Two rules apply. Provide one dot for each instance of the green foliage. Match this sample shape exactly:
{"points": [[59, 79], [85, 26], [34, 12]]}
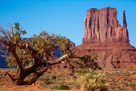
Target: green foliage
{"points": [[64, 43], [85, 77], [14, 35], [90, 80], [54, 77], [17, 32], [121, 72], [35, 53], [17, 25], [43, 43], [11, 61], [29, 76], [63, 87], [88, 61], [46, 44], [1, 84], [47, 81], [24, 56]]}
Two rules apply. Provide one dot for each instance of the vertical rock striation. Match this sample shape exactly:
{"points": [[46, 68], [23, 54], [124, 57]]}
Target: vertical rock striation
{"points": [[101, 26], [104, 36]]}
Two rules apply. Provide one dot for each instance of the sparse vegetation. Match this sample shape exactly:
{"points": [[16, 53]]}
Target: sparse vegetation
{"points": [[85, 77], [54, 77], [89, 80], [2, 84], [27, 58], [63, 87], [120, 72], [115, 83], [35, 55], [47, 81]]}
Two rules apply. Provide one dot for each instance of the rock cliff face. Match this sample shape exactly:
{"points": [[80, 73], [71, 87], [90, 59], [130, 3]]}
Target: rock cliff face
{"points": [[104, 36], [102, 26]]}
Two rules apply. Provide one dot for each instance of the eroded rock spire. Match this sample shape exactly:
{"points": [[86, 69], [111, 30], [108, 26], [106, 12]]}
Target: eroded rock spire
{"points": [[124, 19]]}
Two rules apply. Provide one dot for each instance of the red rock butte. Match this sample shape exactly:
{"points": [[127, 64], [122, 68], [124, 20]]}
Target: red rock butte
{"points": [[104, 36]]}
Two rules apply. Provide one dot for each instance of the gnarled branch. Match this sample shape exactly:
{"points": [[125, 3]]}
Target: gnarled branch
{"points": [[58, 60]]}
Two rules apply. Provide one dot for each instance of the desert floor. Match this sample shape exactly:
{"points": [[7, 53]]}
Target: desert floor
{"points": [[118, 80]]}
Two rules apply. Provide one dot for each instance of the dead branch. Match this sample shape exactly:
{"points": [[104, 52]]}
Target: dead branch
{"points": [[11, 77]]}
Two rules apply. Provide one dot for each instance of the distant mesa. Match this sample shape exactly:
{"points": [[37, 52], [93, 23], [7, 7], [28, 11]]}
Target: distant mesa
{"points": [[104, 36]]}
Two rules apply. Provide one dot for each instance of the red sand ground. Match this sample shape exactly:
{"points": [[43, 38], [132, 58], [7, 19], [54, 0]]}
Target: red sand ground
{"points": [[8, 86], [28, 88]]}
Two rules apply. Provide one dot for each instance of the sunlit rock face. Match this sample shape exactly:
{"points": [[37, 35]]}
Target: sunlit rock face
{"points": [[102, 26], [104, 36]]}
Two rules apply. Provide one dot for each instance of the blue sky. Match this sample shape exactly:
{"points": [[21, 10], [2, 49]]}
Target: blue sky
{"points": [[64, 17]]}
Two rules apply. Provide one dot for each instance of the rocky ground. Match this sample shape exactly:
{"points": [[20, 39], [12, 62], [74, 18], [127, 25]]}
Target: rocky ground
{"points": [[40, 85], [118, 79], [28, 88]]}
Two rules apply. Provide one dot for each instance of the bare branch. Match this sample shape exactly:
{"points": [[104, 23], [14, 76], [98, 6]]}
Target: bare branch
{"points": [[5, 34], [11, 77], [58, 60], [4, 42]]}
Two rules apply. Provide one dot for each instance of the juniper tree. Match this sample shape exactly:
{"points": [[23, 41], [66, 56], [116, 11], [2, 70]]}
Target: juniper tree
{"points": [[34, 55]]}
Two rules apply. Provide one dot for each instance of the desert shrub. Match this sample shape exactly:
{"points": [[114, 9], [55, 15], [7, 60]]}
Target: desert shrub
{"points": [[47, 81], [63, 87], [49, 72], [29, 76], [54, 77], [1, 84], [90, 80], [88, 61], [120, 72]]}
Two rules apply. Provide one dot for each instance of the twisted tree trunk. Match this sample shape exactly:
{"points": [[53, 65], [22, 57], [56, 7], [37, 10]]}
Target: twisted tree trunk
{"points": [[22, 74]]}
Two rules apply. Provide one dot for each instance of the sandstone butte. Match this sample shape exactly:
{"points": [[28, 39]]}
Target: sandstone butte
{"points": [[104, 36]]}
